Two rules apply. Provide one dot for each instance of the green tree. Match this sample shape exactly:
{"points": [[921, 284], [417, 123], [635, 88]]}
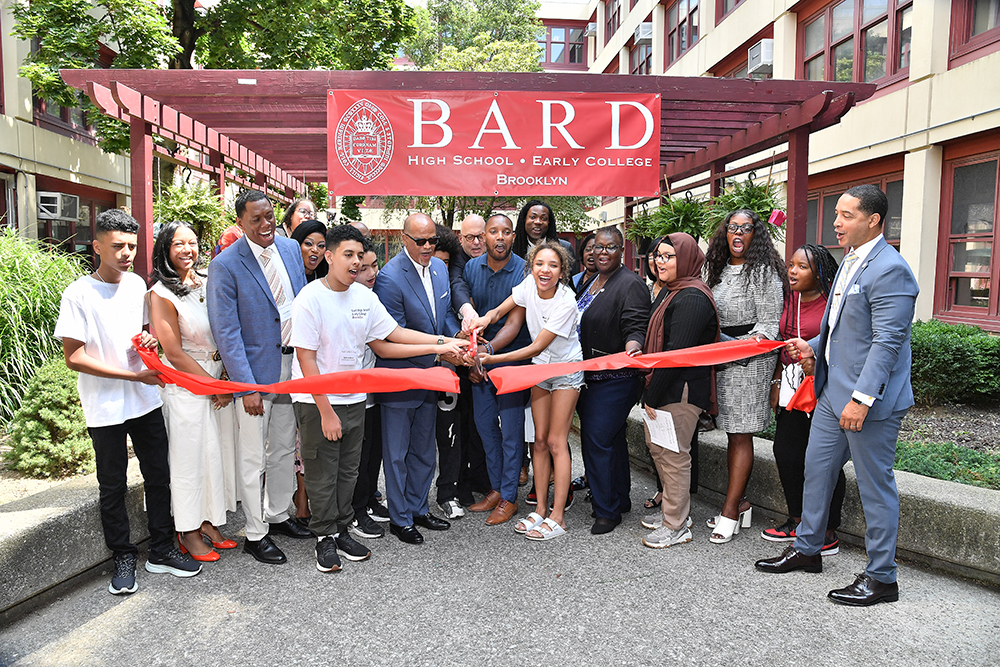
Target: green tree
{"points": [[250, 34], [458, 24]]}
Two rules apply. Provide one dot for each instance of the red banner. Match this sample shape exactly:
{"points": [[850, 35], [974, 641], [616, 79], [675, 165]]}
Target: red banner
{"points": [[372, 380], [481, 143], [515, 378]]}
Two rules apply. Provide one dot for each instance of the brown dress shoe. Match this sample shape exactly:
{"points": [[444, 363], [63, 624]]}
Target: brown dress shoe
{"points": [[504, 512], [487, 503], [523, 477]]}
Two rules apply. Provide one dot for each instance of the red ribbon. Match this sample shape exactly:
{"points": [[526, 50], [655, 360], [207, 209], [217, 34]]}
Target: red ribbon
{"points": [[372, 380], [515, 378], [804, 398]]}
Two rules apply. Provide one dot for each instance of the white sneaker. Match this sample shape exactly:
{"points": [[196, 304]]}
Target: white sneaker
{"points": [[452, 509], [665, 537], [654, 521]]}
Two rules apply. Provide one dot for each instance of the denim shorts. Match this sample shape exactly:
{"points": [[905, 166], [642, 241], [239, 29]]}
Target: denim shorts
{"points": [[571, 381]]}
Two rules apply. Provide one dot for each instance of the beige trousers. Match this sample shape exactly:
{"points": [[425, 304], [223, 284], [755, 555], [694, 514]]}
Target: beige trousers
{"points": [[674, 468]]}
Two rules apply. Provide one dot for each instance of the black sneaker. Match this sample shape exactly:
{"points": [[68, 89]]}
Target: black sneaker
{"points": [[569, 500], [327, 559], [378, 512], [123, 580], [350, 548], [364, 526], [174, 562]]}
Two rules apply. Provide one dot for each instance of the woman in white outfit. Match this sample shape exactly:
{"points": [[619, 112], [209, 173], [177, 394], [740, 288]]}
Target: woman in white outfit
{"points": [[197, 426]]}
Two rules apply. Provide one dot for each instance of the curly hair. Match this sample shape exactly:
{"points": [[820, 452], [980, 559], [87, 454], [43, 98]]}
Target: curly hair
{"points": [[520, 246], [759, 259], [823, 265], [448, 241], [163, 269], [565, 259]]}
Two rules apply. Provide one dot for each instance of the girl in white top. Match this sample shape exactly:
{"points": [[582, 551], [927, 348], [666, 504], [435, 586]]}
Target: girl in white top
{"points": [[551, 315], [200, 429]]}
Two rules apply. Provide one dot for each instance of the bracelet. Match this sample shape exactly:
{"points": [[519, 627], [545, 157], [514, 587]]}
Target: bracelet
{"points": [[774, 382], [489, 348]]}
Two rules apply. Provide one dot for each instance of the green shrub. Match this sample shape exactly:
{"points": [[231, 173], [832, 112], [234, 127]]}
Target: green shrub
{"points": [[954, 363], [200, 205], [49, 437], [950, 462], [32, 279]]}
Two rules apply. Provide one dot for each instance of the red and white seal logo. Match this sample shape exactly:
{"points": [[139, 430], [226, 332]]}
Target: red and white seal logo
{"points": [[364, 141]]}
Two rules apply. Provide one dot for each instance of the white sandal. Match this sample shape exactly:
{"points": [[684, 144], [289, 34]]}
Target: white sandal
{"points": [[549, 530], [726, 528], [528, 523]]}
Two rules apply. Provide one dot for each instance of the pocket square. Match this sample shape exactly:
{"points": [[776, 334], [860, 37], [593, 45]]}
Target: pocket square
{"points": [[855, 289], [443, 296]]}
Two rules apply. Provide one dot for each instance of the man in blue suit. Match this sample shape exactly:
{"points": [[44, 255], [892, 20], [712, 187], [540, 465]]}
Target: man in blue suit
{"points": [[863, 385], [414, 287], [251, 286]]}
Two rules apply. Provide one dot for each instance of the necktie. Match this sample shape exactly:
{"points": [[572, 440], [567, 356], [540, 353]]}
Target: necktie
{"points": [[841, 286], [277, 291]]}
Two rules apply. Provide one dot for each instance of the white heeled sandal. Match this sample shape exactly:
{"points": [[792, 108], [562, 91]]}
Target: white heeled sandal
{"points": [[744, 519], [725, 528]]}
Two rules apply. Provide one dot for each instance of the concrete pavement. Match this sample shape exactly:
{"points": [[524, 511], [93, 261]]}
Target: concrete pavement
{"points": [[482, 595]]}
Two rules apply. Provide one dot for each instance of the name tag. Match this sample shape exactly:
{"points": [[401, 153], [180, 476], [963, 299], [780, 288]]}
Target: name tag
{"points": [[133, 360], [285, 311], [348, 361]]}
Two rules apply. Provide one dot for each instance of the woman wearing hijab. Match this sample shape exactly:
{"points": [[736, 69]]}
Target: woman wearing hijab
{"points": [[684, 315]]}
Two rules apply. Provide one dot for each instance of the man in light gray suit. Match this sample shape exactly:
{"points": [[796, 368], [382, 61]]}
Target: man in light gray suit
{"points": [[863, 386], [251, 285]]}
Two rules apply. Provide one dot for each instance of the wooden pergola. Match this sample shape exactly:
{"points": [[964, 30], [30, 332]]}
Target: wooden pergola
{"points": [[272, 125]]}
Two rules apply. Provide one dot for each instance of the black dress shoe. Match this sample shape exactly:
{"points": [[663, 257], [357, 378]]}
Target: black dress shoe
{"points": [[789, 561], [290, 528], [265, 551], [431, 522], [603, 526], [865, 591], [407, 534]]}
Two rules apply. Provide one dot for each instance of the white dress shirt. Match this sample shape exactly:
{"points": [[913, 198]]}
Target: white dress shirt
{"points": [[425, 277], [279, 265], [862, 253]]}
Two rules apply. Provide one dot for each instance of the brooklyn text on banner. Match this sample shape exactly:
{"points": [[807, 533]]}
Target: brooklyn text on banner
{"points": [[482, 143]]}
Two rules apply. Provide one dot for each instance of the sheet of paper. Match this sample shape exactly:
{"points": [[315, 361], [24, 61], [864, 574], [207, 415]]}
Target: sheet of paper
{"points": [[661, 430]]}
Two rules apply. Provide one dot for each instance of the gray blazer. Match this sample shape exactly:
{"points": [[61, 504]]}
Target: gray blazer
{"points": [[870, 340], [242, 312]]}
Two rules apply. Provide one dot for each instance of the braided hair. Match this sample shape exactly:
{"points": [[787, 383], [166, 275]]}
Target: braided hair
{"points": [[823, 265], [760, 257]]}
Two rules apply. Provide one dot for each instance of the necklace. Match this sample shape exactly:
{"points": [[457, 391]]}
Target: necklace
{"points": [[599, 285]]}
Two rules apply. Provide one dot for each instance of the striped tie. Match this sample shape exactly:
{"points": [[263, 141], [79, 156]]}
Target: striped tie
{"points": [[838, 290], [277, 291]]}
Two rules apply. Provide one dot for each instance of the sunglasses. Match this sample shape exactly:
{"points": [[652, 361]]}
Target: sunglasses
{"points": [[433, 240], [745, 228]]}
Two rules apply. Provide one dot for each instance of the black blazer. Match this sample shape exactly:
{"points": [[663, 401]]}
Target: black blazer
{"points": [[460, 293], [619, 313], [688, 321]]}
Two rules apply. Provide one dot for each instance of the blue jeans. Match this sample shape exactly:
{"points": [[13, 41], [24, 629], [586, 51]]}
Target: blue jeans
{"points": [[503, 445], [603, 407]]}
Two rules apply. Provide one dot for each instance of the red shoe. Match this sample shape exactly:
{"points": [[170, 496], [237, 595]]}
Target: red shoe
{"points": [[210, 557], [783, 533], [224, 544]]}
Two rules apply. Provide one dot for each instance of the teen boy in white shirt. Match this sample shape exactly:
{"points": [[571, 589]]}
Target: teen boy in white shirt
{"points": [[332, 320], [98, 316]]}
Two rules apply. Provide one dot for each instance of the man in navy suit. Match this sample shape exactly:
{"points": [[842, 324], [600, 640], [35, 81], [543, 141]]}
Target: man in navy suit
{"points": [[414, 287], [251, 286], [863, 386]]}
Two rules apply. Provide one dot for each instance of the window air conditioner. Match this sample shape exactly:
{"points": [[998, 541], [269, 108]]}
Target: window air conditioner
{"points": [[643, 33], [591, 29], [58, 206], [760, 57]]}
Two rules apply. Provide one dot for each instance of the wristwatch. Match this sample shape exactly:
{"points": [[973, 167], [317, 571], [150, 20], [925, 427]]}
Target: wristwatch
{"points": [[440, 340], [856, 400]]}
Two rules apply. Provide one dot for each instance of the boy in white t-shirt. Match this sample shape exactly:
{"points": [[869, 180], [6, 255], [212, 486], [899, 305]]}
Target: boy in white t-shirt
{"points": [[98, 316], [332, 320]]}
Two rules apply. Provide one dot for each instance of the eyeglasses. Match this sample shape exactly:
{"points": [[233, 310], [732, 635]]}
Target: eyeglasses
{"points": [[663, 256], [305, 210], [745, 228], [472, 238], [610, 249], [433, 240]]}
